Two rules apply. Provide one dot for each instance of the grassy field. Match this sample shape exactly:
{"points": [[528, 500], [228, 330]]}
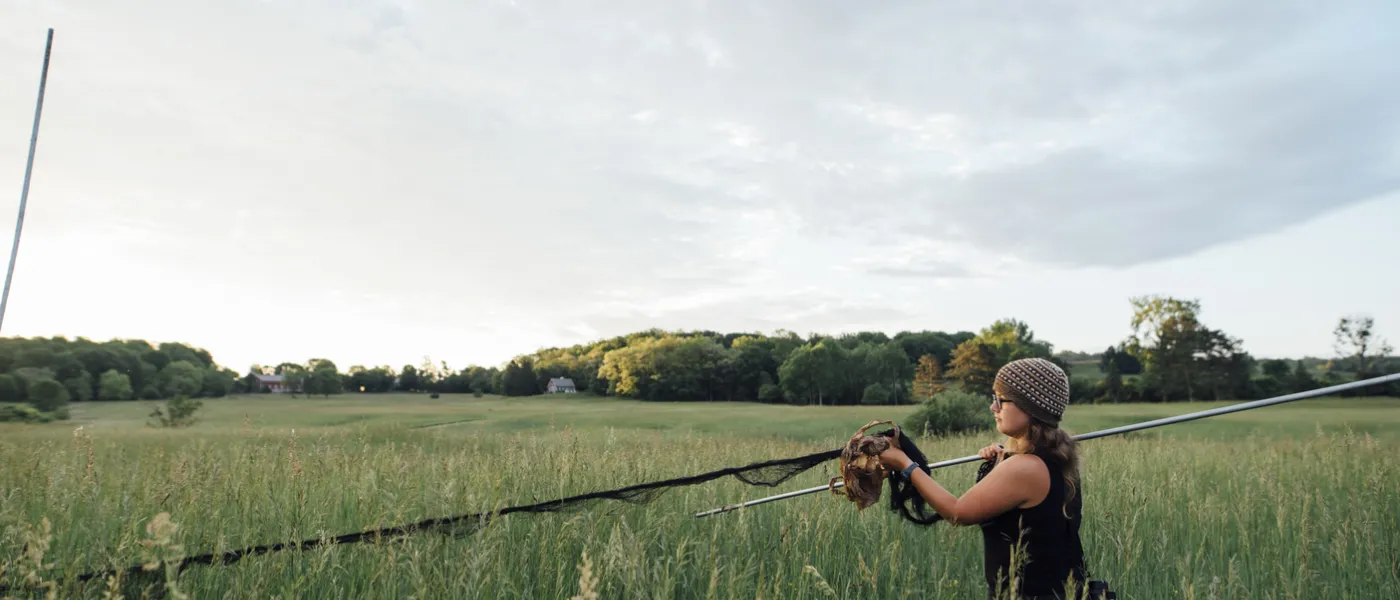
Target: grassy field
{"points": [[1085, 370], [1295, 501]]}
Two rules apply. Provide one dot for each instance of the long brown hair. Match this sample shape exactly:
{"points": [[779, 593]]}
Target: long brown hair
{"points": [[1056, 443]]}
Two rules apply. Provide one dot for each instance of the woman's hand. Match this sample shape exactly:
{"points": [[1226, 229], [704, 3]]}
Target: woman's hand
{"points": [[992, 452], [894, 458]]}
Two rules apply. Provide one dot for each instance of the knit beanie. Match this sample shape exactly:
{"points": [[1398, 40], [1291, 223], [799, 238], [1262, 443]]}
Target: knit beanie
{"points": [[1037, 386]]}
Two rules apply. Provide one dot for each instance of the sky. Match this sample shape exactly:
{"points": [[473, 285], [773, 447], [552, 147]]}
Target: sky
{"points": [[374, 182]]}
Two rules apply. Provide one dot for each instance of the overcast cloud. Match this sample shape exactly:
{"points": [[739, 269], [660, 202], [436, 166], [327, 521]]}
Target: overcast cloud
{"points": [[473, 180]]}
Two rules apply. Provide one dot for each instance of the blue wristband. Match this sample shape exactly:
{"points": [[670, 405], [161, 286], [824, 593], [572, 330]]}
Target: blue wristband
{"points": [[909, 470]]}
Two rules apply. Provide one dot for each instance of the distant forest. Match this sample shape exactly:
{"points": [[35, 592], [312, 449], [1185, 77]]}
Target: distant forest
{"points": [[1167, 355]]}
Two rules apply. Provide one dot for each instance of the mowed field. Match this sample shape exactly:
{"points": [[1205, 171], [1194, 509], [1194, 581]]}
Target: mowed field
{"points": [[1293, 501]]}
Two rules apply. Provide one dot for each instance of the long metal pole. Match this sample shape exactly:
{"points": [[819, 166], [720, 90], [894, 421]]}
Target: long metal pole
{"points": [[1103, 433], [28, 171]]}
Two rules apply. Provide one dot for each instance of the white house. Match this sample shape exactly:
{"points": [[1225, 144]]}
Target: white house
{"points": [[272, 382], [560, 385]]}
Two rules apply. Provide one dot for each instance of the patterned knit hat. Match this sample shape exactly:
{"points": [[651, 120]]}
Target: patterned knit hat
{"points": [[1037, 386]]}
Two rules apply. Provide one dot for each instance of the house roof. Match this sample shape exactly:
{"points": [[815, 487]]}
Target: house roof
{"points": [[561, 381], [269, 378]]}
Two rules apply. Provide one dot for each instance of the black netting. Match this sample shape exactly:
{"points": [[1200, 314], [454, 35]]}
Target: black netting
{"points": [[767, 474]]}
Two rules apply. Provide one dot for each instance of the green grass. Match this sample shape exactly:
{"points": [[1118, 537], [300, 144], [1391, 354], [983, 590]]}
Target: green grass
{"points": [[1378, 417], [1294, 501]]}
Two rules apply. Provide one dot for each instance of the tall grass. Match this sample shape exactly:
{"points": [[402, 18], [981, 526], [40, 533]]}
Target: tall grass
{"points": [[1256, 516]]}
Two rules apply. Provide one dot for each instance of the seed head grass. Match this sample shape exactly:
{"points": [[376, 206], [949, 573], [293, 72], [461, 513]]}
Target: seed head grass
{"points": [[1273, 510]]}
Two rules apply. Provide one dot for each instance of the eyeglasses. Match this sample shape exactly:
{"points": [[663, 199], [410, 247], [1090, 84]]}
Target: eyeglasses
{"points": [[996, 403]]}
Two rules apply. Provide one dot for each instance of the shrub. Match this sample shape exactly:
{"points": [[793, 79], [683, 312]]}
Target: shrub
{"points": [[1081, 390], [477, 394], [114, 385], [20, 413], [951, 411], [876, 393], [47, 395], [434, 395], [179, 412], [770, 392]]}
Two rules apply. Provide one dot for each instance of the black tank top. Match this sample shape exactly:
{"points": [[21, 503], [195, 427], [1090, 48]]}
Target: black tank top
{"points": [[1051, 546]]}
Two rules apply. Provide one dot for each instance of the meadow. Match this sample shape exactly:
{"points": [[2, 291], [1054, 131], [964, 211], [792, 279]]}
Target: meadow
{"points": [[1293, 501]]}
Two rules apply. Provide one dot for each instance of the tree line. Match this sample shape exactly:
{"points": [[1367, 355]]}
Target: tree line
{"points": [[1172, 355], [321, 377], [1169, 354], [661, 365], [58, 370]]}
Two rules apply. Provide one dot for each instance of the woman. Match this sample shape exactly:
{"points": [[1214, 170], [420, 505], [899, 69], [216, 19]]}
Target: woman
{"points": [[1030, 497]]}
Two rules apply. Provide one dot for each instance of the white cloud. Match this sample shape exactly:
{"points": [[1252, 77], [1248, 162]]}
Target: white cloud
{"points": [[482, 179]]}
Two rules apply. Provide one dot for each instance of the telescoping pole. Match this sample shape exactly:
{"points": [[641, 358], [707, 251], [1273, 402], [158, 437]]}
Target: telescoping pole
{"points": [[1103, 433], [28, 170]]}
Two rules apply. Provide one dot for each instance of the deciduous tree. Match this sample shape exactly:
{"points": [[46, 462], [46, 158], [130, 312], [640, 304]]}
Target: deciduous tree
{"points": [[975, 366], [1357, 345], [114, 385], [47, 395], [926, 376]]}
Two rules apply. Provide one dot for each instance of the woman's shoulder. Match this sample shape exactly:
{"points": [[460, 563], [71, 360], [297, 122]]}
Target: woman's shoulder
{"points": [[1025, 466], [1023, 458]]}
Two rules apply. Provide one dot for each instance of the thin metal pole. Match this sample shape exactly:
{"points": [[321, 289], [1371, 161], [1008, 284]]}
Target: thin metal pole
{"points": [[28, 171], [1103, 433]]}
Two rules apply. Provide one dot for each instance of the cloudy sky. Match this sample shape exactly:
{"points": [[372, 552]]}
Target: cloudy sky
{"points": [[375, 181]]}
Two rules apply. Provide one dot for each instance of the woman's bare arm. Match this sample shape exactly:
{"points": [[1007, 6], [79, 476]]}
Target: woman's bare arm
{"points": [[1009, 485]]}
